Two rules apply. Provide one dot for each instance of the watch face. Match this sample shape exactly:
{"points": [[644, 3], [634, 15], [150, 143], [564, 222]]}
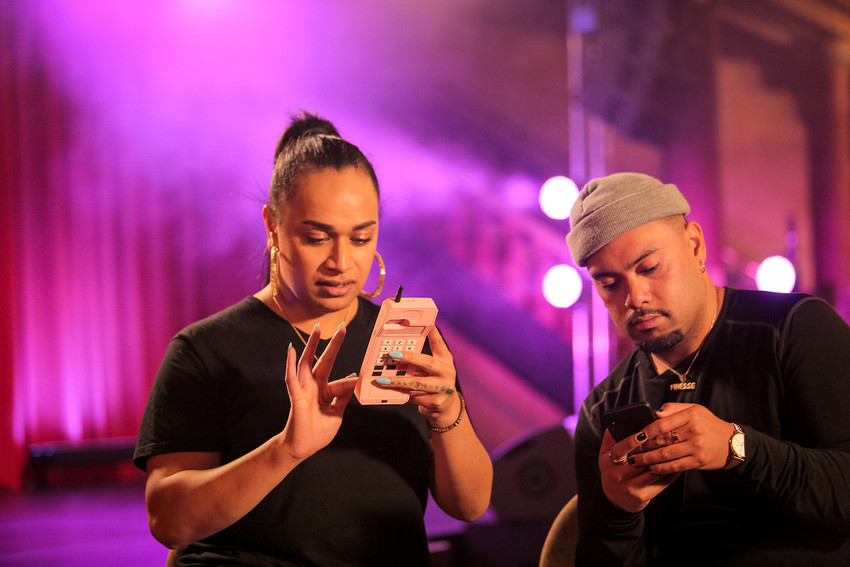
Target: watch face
{"points": [[738, 444]]}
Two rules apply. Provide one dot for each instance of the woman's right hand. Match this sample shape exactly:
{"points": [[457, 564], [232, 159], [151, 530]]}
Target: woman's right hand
{"points": [[193, 495], [316, 407]]}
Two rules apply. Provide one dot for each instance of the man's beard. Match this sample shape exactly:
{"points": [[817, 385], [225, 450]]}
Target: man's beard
{"points": [[658, 344], [662, 344]]}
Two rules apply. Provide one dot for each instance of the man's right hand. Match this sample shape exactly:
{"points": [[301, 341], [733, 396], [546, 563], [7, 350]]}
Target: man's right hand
{"points": [[628, 487]]}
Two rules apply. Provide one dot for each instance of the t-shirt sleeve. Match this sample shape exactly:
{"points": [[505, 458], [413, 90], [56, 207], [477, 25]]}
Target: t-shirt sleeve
{"points": [[183, 412]]}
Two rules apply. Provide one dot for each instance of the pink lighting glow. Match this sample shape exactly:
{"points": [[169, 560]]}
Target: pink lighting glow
{"points": [[581, 341], [146, 140], [140, 136]]}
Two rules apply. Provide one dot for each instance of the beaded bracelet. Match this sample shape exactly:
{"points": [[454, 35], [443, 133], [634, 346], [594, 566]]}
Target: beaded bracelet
{"points": [[457, 421]]}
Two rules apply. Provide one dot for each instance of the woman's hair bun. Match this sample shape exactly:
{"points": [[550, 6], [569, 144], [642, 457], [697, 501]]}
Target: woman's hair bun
{"points": [[304, 125]]}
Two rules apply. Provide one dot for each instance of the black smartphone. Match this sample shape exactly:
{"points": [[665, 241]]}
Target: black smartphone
{"points": [[628, 420]]}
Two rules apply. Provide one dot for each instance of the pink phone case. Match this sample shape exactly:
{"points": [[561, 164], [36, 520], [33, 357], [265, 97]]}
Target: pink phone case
{"points": [[402, 325]]}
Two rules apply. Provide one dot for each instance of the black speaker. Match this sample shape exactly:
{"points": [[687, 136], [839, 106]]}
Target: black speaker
{"points": [[533, 476]]}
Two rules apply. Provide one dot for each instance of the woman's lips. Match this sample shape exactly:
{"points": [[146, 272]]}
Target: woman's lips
{"points": [[336, 289]]}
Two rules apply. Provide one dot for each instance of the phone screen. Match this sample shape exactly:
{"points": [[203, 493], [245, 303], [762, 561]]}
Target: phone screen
{"points": [[628, 420]]}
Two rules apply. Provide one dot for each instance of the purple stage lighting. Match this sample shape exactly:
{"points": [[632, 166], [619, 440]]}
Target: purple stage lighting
{"points": [[776, 273], [557, 196], [562, 285]]}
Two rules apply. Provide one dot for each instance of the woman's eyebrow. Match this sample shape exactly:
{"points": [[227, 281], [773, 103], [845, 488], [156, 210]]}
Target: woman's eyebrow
{"points": [[330, 228], [364, 225]]}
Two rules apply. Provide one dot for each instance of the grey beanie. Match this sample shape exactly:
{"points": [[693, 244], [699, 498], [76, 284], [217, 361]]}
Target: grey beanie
{"points": [[610, 206]]}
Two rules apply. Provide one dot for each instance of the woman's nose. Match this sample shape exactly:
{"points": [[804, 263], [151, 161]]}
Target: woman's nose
{"points": [[340, 256]]}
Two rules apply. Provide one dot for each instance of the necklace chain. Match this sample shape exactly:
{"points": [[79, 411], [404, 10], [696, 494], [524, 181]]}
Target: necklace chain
{"points": [[683, 377], [294, 328], [684, 384]]}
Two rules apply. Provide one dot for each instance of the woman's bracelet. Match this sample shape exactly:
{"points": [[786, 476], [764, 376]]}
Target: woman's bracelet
{"points": [[457, 421]]}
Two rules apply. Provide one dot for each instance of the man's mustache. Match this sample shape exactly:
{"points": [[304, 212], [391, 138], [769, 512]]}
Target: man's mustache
{"points": [[632, 319]]}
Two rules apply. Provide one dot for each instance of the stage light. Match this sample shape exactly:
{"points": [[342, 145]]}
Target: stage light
{"points": [[776, 273], [583, 19], [562, 285], [557, 196]]}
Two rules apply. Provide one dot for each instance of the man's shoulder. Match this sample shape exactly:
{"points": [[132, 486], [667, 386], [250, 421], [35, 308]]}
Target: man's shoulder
{"points": [[766, 306]]}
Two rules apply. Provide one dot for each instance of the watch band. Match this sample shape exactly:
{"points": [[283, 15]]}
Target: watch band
{"points": [[734, 457]]}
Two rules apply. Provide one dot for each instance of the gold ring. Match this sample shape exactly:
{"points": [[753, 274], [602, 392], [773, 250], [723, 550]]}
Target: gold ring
{"points": [[675, 435], [621, 461]]}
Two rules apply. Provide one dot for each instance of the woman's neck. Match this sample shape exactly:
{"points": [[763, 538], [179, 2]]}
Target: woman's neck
{"points": [[302, 319]]}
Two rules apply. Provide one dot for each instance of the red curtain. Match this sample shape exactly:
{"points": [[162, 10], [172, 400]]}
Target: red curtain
{"points": [[108, 246], [10, 436]]}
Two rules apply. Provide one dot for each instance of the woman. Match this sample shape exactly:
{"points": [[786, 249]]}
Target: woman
{"points": [[243, 469]]}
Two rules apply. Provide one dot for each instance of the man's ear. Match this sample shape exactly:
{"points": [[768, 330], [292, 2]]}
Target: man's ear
{"points": [[695, 240]]}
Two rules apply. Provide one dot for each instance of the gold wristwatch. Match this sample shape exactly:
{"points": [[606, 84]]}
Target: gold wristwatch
{"points": [[736, 448]]}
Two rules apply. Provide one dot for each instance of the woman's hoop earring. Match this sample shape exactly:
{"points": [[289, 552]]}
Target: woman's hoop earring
{"points": [[380, 280]]}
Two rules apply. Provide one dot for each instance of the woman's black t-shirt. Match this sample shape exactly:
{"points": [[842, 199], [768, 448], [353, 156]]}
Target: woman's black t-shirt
{"points": [[358, 501]]}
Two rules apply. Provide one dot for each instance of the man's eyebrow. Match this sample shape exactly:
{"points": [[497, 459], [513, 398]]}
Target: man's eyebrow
{"points": [[642, 256], [630, 265], [329, 228]]}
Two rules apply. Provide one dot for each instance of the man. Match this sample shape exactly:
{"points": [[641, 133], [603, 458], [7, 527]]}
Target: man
{"points": [[748, 462]]}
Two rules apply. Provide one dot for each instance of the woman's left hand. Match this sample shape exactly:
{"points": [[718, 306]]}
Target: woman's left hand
{"points": [[430, 380], [462, 470]]}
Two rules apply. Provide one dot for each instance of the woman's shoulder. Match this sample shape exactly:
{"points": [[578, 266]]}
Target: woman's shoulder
{"points": [[249, 313]]}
